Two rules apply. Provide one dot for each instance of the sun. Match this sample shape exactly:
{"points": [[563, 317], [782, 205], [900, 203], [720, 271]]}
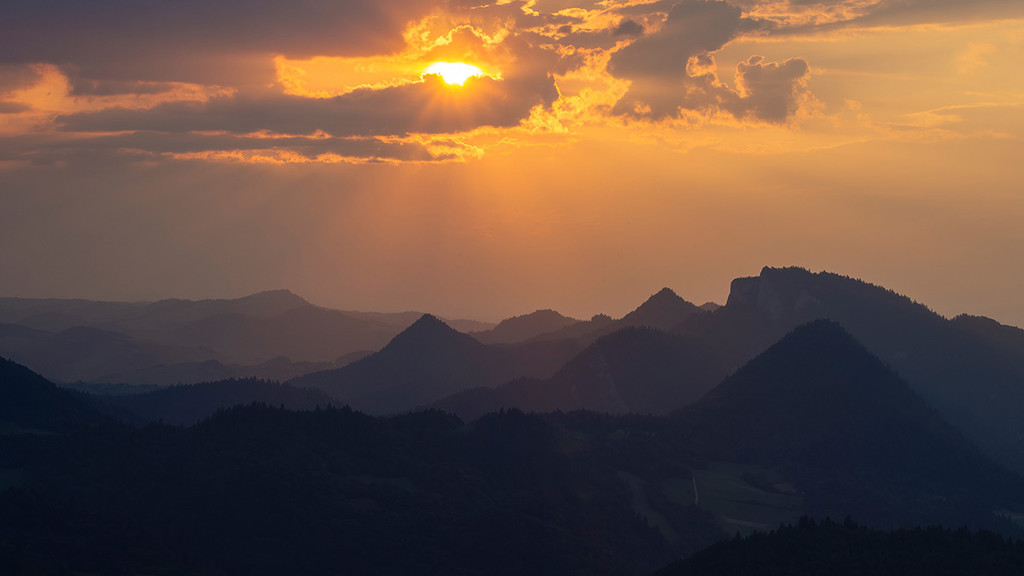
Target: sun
{"points": [[454, 73]]}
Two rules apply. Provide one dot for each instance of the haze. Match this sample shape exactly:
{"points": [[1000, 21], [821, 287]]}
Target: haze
{"points": [[211, 149]]}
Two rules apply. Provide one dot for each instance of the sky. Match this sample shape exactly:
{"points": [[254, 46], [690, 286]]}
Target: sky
{"points": [[598, 152]]}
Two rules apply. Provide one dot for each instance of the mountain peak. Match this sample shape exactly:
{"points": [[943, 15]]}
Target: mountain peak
{"points": [[277, 298], [664, 310], [427, 332], [526, 326], [816, 380], [812, 354]]}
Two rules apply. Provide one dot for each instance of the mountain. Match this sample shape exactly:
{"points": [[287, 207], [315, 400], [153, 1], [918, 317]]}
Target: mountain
{"points": [[55, 314], [303, 334], [89, 354], [849, 433], [520, 328], [664, 310], [162, 315], [971, 371], [186, 405], [814, 425], [274, 334], [427, 361], [633, 370], [30, 403], [402, 320], [830, 548]]}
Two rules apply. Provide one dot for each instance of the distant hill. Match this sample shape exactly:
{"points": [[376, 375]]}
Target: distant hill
{"points": [[274, 334], [971, 371], [520, 328], [848, 432], [303, 334], [402, 320], [829, 548], [427, 361], [89, 354], [664, 310], [187, 405], [633, 370]]}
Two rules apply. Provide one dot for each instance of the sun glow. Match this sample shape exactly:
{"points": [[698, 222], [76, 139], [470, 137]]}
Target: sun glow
{"points": [[455, 73]]}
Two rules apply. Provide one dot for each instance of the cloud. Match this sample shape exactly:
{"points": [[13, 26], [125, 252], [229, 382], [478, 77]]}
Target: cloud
{"points": [[672, 71], [253, 148], [769, 91], [204, 41], [816, 16], [427, 107]]}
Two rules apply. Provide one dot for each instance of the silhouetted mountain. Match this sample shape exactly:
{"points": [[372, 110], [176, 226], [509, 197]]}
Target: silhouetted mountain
{"points": [[585, 332], [427, 361], [814, 425], [833, 549], [402, 320], [89, 354], [189, 404], [520, 328], [638, 370], [166, 314], [55, 314], [305, 333], [1007, 339], [188, 341], [848, 432], [30, 403], [665, 310], [976, 381]]}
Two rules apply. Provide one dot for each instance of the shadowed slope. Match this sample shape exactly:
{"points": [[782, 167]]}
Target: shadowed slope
{"points": [[30, 403], [849, 431], [186, 405], [638, 370], [520, 328], [973, 375], [427, 361]]}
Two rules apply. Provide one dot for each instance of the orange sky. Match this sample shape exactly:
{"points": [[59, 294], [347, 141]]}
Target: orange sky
{"points": [[605, 149]]}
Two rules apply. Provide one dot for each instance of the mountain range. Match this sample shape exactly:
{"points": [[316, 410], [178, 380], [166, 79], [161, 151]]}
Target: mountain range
{"points": [[606, 446], [273, 334], [815, 425]]}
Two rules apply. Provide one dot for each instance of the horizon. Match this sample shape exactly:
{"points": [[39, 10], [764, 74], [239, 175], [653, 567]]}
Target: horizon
{"points": [[486, 160], [456, 316]]}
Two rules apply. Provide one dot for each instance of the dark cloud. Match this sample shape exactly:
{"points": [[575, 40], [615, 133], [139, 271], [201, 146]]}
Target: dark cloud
{"points": [[769, 91], [87, 87], [693, 27], [672, 70], [205, 41], [428, 107], [628, 28], [146, 145], [17, 77], [657, 64], [8, 107]]}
